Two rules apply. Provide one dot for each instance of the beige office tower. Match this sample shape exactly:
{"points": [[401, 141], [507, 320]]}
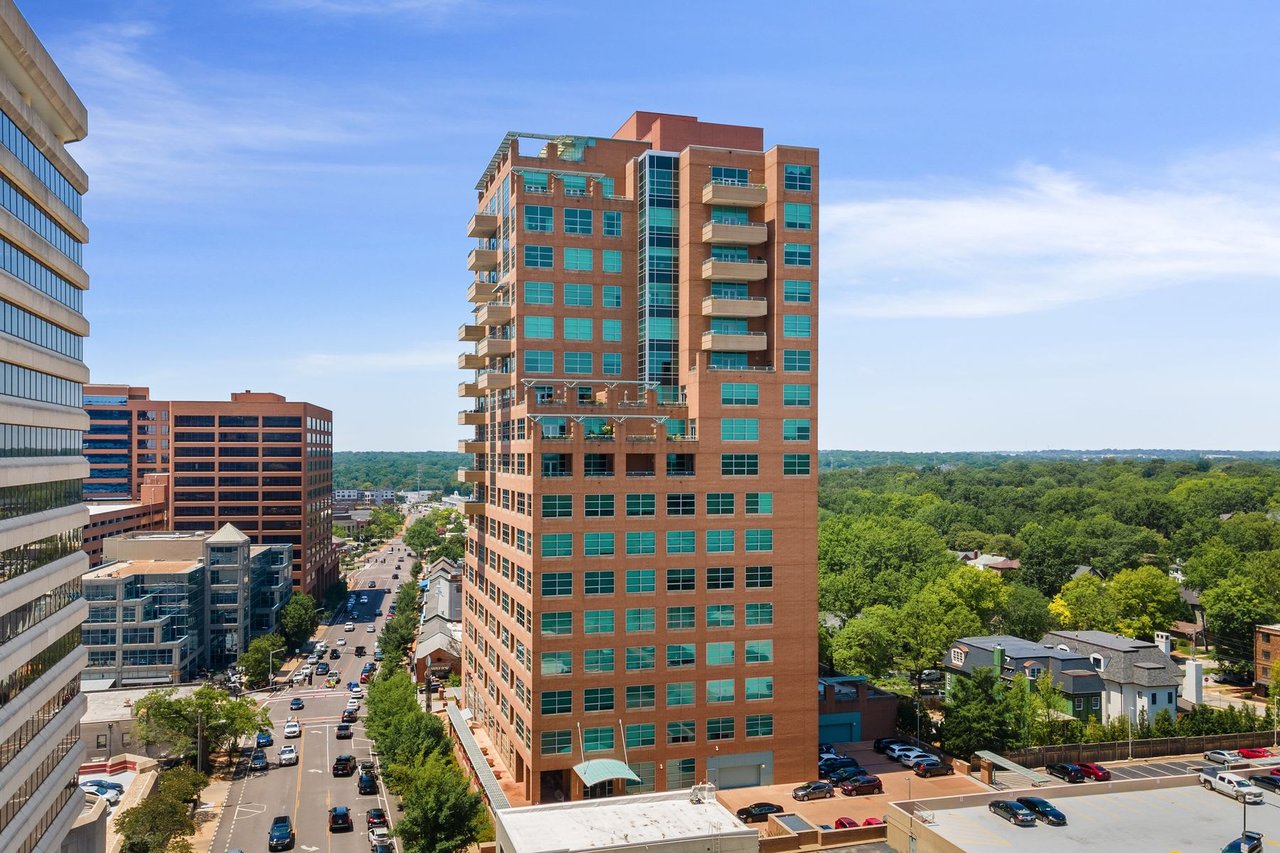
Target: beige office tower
{"points": [[640, 608]]}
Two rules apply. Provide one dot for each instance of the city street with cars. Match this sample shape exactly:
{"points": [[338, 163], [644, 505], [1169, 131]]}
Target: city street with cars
{"points": [[301, 784]]}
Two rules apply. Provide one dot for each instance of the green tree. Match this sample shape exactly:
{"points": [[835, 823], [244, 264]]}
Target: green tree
{"points": [[258, 661], [1245, 598], [183, 784], [299, 619], [1026, 613], [1209, 563], [977, 715], [1144, 600], [868, 644], [148, 826], [1052, 551], [441, 812], [876, 560], [403, 732], [983, 593], [1083, 605], [933, 628], [208, 713]]}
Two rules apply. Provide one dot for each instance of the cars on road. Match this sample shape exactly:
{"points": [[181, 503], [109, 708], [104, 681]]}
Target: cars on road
{"points": [[342, 641], [344, 765], [757, 812], [293, 729], [350, 626], [340, 819], [322, 668], [376, 817], [357, 692], [263, 740], [1043, 810], [1012, 811], [288, 755], [1065, 772], [813, 791], [862, 785], [367, 784], [343, 732], [1094, 771], [1222, 756], [369, 629], [929, 768], [348, 715], [296, 704], [258, 761], [281, 835]]}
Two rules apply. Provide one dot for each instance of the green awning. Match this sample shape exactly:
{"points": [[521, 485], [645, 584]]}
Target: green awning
{"points": [[603, 769]]}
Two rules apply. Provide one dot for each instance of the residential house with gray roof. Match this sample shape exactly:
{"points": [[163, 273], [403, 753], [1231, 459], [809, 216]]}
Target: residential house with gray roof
{"points": [[1073, 674], [1137, 675]]}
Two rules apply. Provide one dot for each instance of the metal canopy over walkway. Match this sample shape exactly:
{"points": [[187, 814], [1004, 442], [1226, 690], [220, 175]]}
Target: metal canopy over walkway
{"points": [[1034, 777]]}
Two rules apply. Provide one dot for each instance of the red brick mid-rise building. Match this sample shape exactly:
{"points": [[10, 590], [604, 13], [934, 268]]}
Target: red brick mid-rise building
{"points": [[641, 571], [256, 461]]}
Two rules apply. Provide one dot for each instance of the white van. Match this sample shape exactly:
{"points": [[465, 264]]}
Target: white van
{"points": [[350, 626]]}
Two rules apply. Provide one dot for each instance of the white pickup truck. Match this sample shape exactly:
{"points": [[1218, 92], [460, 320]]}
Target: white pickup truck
{"points": [[1231, 784]]}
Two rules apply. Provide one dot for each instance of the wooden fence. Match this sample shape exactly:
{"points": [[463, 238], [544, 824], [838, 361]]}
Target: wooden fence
{"points": [[1071, 753]]}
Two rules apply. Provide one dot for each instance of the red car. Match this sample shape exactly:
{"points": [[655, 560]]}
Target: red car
{"points": [[1255, 752], [845, 823], [1096, 772], [873, 821]]}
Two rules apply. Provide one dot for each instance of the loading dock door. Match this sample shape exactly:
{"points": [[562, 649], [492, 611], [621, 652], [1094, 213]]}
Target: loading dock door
{"points": [[741, 776], [836, 733]]}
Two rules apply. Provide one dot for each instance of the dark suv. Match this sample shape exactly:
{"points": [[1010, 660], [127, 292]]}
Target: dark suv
{"points": [[340, 819], [344, 765], [367, 784], [1065, 772], [281, 835]]}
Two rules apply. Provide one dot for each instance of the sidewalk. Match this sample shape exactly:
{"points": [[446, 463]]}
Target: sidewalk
{"points": [[213, 803]]}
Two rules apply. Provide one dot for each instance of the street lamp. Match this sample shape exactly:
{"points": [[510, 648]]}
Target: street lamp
{"points": [[1128, 719], [271, 670], [110, 738]]}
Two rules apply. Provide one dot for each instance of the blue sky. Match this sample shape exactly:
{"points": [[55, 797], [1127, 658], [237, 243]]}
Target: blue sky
{"points": [[1044, 225]]}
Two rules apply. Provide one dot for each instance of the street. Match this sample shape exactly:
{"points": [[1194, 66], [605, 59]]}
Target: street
{"points": [[306, 792]]}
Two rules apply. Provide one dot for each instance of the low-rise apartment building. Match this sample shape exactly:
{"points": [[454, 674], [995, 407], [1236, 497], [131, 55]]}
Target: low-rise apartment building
{"points": [[1266, 654]]}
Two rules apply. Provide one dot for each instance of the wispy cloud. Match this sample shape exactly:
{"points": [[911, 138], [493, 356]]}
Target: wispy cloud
{"points": [[157, 134], [408, 360], [1048, 238]]}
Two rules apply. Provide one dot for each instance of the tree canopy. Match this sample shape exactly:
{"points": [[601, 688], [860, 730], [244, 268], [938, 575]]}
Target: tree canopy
{"points": [[163, 717]]}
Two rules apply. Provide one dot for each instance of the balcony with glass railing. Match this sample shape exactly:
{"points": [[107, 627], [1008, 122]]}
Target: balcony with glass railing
{"points": [[481, 291], [734, 306], [494, 313], [734, 341], [731, 194], [735, 233], [491, 347], [482, 260], [746, 269], [471, 361]]}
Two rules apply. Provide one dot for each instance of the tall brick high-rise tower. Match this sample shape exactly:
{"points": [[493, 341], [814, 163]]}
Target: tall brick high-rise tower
{"points": [[641, 570]]}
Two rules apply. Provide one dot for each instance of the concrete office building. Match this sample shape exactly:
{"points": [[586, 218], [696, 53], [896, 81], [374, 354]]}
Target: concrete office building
{"points": [[166, 605], [256, 461], [42, 331], [641, 569]]}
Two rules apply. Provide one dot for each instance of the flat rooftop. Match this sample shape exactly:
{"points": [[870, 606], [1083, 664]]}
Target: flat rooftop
{"points": [[104, 508], [106, 706], [616, 821], [1182, 818], [167, 535], [125, 568]]}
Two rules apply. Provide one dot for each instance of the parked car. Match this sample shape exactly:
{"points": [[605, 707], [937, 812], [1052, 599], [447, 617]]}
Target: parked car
{"points": [[103, 783], [1094, 771], [344, 765], [813, 791], [1065, 772], [288, 755], [862, 785], [909, 757], [340, 819], [296, 704], [927, 769], [357, 692], [379, 836], [873, 821], [826, 768], [280, 836], [883, 743], [1248, 842], [263, 740], [377, 654], [757, 812], [1255, 752], [367, 784], [376, 817], [1222, 756], [1267, 782], [369, 629], [109, 794], [1043, 810], [843, 775], [258, 760], [894, 750], [1014, 812], [845, 823], [344, 732]]}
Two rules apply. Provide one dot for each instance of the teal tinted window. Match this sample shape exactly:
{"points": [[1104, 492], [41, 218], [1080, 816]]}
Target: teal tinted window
{"points": [[612, 223], [795, 463], [759, 614], [580, 260], [642, 505], [729, 326], [796, 177], [557, 663], [557, 545], [539, 361], [598, 506], [598, 699], [759, 688], [578, 295], [640, 619], [682, 731], [720, 577], [795, 429], [641, 542], [611, 330], [680, 541], [760, 539], [720, 728], [719, 690], [759, 725], [597, 544], [739, 394], [797, 254], [797, 292], [597, 738], [641, 658], [578, 362], [679, 618], [579, 328], [598, 583], [720, 503], [719, 541], [737, 254], [797, 326], [597, 660], [642, 580], [720, 654], [611, 363], [730, 176], [730, 215], [535, 182], [740, 429], [539, 293], [577, 220], [759, 503], [799, 216], [541, 257], [538, 217], [640, 735], [611, 260], [557, 701], [680, 580], [559, 742], [721, 360], [679, 693], [641, 696], [797, 361], [759, 577], [729, 289], [758, 651], [795, 395], [739, 464], [540, 328], [611, 296], [597, 621], [720, 616], [681, 655], [557, 583], [556, 623]]}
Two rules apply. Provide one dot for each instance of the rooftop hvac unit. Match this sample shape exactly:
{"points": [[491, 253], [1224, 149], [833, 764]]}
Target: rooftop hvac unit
{"points": [[704, 793]]}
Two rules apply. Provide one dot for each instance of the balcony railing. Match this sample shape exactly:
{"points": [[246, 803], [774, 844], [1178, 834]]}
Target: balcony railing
{"points": [[749, 269], [735, 233], [735, 342], [734, 194], [482, 260], [482, 225], [735, 306]]}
